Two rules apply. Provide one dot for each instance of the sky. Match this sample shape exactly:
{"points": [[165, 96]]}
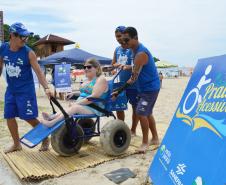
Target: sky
{"points": [[177, 31]]}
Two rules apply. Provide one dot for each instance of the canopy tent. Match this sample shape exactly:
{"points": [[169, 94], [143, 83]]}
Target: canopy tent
{"points": [[72, 56], [164, 64]]}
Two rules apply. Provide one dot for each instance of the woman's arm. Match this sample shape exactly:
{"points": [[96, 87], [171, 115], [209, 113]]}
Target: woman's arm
{"points": [[99, 88]]}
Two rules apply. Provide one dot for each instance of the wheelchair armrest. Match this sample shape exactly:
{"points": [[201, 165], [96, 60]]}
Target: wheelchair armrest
{"points": [[74, 97]]}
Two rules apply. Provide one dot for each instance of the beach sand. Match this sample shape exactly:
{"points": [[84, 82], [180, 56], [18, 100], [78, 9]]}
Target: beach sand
{"points": [[165, 107]]}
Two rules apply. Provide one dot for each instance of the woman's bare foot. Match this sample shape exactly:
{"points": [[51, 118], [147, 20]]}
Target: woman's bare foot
{"points": [[45, 145], [13, 148], [46, 123], [46, 116], [154, 142], [143, 148]]}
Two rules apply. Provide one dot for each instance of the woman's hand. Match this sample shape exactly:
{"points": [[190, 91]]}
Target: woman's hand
{"points": [[69, 95]]}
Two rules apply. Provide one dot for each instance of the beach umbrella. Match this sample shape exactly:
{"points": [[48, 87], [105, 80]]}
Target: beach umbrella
{"points": [[164, 64]]}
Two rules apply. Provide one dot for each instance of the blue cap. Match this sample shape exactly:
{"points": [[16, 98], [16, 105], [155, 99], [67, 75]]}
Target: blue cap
{"points": [[20, 29], [120, 29]]}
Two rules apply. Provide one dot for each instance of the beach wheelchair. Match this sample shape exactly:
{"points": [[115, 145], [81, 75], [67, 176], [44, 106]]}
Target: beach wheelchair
{"points": [[68, 135]]}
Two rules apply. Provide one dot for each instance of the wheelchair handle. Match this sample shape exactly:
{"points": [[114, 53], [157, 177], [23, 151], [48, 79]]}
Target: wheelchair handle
{"points": [[54, 100], [117, 74]]}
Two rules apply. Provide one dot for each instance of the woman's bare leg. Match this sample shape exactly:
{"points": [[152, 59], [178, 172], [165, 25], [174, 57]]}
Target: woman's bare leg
{"points": [[47, 116], [74, 109]]}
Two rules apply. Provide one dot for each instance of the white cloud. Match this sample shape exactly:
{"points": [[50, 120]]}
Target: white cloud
{"points": [[179, 31]]}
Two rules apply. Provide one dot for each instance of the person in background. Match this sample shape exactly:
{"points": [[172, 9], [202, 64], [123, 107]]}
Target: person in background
{"points": [[20, 97], [160, 78], [123, 58], [145, 72]]}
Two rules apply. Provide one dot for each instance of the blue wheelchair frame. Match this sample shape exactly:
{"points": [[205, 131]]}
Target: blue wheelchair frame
{"points": [[40, 132]]}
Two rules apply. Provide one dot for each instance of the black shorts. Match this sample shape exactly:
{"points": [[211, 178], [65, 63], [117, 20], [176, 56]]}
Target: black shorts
{"points": [[131, 95], [146, 102]]}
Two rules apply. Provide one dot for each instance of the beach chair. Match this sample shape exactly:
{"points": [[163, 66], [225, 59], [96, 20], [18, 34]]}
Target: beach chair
{"points": [[68, 135]]}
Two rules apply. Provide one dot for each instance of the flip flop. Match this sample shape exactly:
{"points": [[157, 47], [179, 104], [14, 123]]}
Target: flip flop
{"points": [[13, 149], [133, 134], [154, 142], [143, 148]]}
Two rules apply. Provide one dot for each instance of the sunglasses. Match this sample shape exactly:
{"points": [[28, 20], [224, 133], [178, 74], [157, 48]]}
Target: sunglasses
{"points": [[126, 40], [87, 67], [23, 38]]}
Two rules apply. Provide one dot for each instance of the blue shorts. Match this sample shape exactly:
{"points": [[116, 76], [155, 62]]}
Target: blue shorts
{"points": [[131, 95], [22, 105], [146, 102]]}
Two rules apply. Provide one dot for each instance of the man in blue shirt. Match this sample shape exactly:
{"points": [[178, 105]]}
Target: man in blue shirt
{"points": [[145, 73], [20, 98], [123, 58]]}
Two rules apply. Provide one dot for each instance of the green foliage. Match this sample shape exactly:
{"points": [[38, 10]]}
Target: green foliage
{"points": [[156, 59], [31, 40], [6, 32]]}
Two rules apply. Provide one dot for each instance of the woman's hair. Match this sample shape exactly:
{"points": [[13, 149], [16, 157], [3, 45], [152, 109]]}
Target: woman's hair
{"points": [[95, 64]]}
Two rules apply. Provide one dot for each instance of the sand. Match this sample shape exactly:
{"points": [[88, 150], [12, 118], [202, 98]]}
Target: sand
{"points": [[165, 107]]}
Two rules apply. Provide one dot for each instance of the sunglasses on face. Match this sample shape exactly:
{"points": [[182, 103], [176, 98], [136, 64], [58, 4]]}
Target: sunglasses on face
{"points": [[118, 36], [23, 38], [126, 40], [87, 67]]}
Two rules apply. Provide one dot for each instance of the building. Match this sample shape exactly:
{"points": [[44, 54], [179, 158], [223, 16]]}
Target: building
{"points": [[50, 44]]}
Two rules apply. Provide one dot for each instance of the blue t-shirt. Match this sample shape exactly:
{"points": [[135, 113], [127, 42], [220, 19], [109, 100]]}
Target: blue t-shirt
{"points": [[148, 79], [125, 57], [18, 69]]}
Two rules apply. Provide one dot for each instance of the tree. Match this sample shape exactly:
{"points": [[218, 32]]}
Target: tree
{"points": [[6, 32], [156, 59], [31, 40]]}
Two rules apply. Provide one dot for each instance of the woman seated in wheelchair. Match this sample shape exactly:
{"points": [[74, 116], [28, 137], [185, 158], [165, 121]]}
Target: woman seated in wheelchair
{"points": [[96, 86]]}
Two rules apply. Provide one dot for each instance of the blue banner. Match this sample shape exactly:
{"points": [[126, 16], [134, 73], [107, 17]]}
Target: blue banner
{"points": [[193, 151], [62, 80]]}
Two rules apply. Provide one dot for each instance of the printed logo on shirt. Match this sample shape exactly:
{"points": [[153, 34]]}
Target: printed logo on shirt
{"points": [[13, 71], [20, 61], [6, 58], [122, 59]]}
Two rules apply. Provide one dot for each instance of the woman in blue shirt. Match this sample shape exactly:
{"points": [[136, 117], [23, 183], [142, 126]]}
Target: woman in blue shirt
{"points": [[95, 86]]}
